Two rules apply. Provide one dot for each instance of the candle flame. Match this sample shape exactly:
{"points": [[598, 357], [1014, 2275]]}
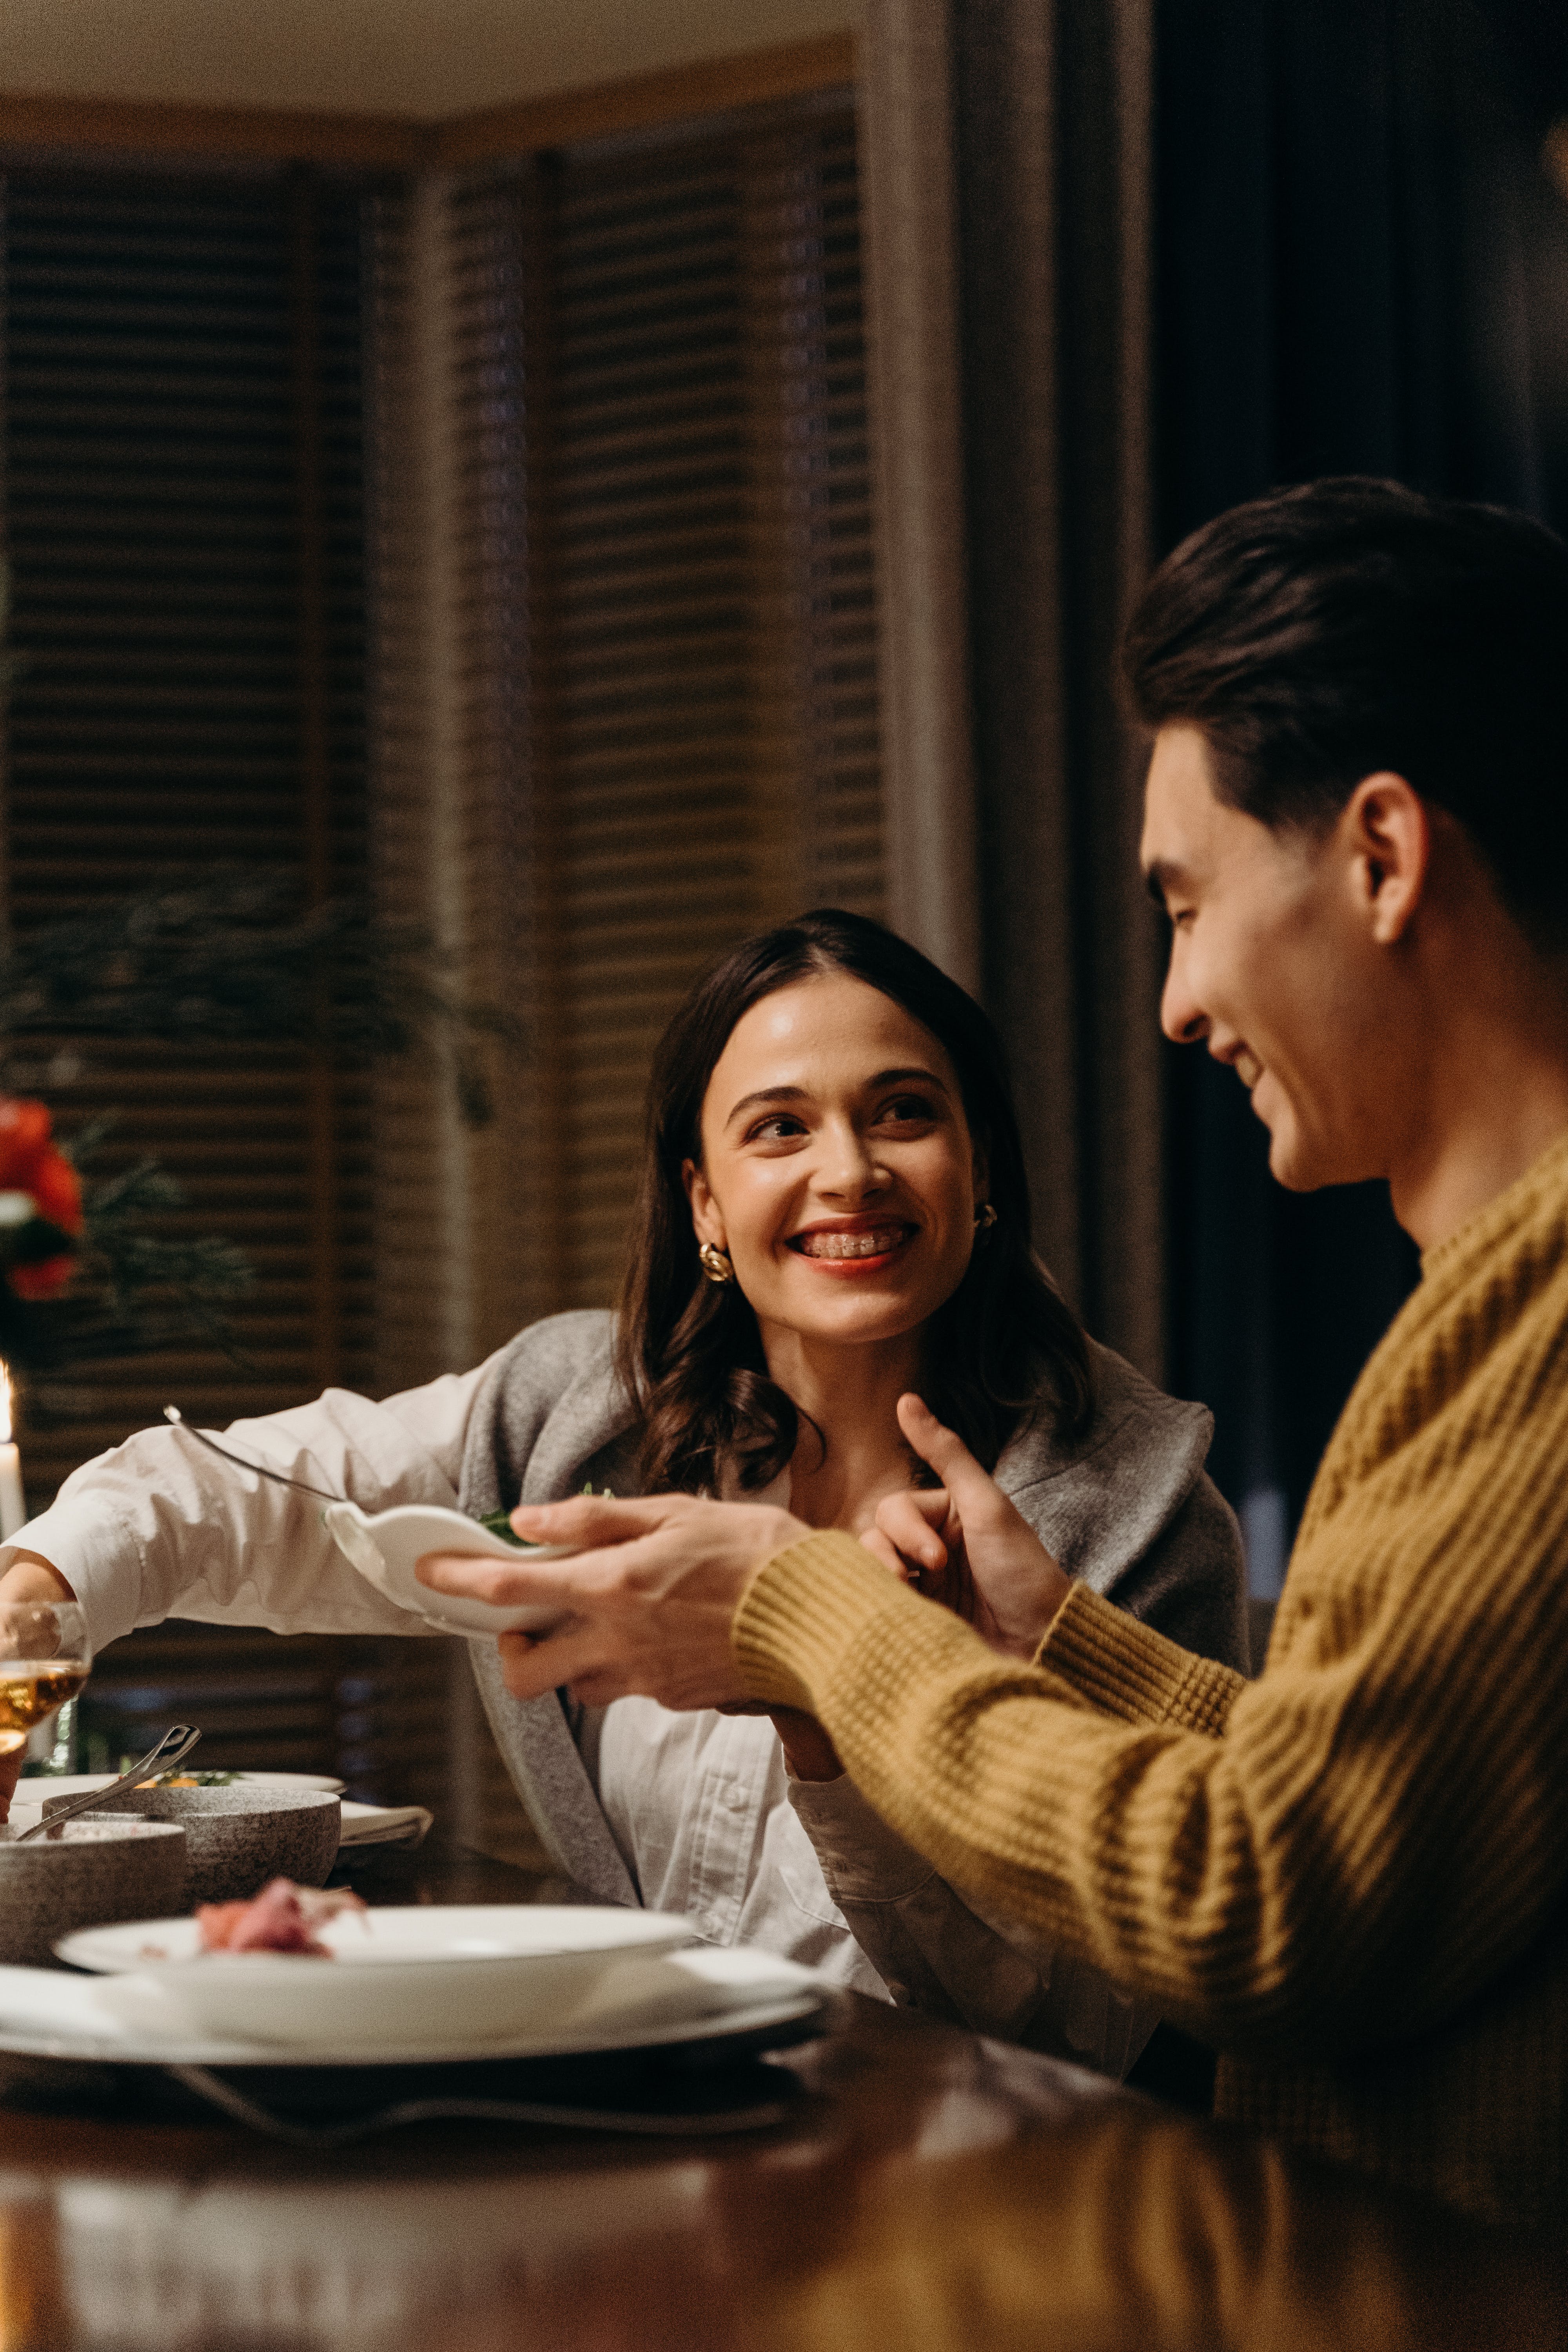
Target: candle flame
{"points": [[5, 1404]]}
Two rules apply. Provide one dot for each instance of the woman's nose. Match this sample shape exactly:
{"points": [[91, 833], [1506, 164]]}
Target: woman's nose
{"points": [[849, 1163]]}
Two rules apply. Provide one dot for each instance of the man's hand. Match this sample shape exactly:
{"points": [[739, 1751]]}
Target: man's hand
{"points": [[29, 1578], [648, 1599], [966, 1546]]}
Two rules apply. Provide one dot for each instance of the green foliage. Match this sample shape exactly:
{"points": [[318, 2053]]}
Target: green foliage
{"points": [[231, 959]]}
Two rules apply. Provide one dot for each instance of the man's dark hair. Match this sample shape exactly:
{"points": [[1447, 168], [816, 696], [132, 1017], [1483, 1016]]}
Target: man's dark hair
{"points": [[1319, 635]]}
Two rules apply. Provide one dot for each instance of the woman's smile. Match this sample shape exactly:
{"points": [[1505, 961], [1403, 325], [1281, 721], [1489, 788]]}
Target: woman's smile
{"points": [[853, 1246]]}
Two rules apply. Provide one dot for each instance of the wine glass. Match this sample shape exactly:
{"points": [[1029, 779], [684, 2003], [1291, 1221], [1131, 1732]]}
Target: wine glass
{"points": [[46, 1657]]}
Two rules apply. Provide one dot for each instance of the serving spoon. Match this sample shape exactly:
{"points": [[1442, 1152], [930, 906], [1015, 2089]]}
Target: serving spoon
{"points": [[177, 1420], [176, 1743]]}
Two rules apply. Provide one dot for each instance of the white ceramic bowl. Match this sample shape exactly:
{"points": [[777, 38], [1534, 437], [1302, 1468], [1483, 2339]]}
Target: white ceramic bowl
{"points": [[385, 1549], [424, 1979]]}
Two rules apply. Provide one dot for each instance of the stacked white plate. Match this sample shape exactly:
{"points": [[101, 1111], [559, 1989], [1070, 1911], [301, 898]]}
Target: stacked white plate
{"points": [[404, 1986]]}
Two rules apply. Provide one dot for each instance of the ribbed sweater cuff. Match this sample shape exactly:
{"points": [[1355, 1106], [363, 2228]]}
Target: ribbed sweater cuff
{"points": [[803, 1610], [1127, 1669]]}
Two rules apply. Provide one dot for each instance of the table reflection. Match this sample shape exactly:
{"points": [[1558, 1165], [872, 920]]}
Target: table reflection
{"points": [[927, 2191]]}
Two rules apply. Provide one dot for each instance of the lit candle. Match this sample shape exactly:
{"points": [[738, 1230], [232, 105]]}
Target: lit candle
{"points": [[12, 1505]]}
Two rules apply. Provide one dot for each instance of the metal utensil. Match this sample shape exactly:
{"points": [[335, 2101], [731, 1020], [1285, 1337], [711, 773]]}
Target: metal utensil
{"points": [[177, 1420], [176, 1743]]}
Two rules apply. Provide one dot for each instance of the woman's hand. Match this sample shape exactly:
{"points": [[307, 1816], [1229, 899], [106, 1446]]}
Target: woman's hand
{"points": [[966, 1546], [29, 1577]]}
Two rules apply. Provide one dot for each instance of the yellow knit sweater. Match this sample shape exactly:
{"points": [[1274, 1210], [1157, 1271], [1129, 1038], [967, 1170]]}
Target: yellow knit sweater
{"points": [[1351, 1877]]}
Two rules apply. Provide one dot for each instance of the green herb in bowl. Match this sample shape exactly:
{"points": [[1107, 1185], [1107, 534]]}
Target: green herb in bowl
{"points": [[500, 1522]]}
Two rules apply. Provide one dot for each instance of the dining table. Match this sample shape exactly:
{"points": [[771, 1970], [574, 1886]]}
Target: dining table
{"points": [[886, 2179]]}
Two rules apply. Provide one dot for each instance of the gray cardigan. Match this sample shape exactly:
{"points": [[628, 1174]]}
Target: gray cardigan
{"points": [[1129, 1510]]}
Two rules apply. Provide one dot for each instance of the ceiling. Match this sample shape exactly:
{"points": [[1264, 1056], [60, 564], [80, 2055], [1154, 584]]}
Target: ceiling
{"points": [[426, 59]]}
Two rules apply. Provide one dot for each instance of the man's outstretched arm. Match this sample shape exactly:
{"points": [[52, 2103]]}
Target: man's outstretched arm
{"points": [[1312, 1862]]}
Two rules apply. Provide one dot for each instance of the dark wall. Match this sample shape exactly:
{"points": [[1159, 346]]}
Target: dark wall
{"points": [[1363, 268]]}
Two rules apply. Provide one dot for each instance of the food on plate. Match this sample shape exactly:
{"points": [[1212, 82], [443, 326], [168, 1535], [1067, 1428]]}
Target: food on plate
{"points": [[190, 1780], [282, 1919]]}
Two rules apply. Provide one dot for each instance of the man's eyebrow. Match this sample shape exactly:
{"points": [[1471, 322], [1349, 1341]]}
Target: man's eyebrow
{"points": [[799, 1094], [1162, 876]]}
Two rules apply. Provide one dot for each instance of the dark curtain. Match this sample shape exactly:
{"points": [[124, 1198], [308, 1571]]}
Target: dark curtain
{"points": [[1052, 172], [1008, 170], [1361, 266]]}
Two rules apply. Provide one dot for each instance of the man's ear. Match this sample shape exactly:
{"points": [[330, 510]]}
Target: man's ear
{"points": [[707, 1224], [1386, 829]]}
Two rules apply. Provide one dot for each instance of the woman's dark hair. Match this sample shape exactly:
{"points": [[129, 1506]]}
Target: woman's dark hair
{"points": [[1319, 635], [690, 1352]]}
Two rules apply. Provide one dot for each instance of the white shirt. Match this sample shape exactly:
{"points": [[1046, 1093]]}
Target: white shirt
{"points": [[706, 1817], [159, 1527]]}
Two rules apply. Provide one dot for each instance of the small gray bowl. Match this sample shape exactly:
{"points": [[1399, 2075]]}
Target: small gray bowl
{"points": [[87, 1873], [239, 1837]]}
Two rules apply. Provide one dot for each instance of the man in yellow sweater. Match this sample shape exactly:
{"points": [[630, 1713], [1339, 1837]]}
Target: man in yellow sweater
{"points": [[1350, 1878]]}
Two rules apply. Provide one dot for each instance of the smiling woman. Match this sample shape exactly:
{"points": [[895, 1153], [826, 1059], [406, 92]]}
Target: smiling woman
{"points": [[832, 1113], [833, 1226]]}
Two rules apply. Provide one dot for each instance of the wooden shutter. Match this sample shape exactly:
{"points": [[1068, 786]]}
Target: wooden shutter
{"points": [[182, 434], [622, 672], [663, 577], [597, 613], [183, 522]]}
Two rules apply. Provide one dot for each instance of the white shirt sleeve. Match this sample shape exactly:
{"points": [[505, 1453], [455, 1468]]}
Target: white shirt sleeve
{"points": [[160, 1528]]}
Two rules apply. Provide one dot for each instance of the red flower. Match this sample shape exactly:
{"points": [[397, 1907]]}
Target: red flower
{"points": [[31, 1163], [45, 1278], [56, 1188], [24, 1135]]}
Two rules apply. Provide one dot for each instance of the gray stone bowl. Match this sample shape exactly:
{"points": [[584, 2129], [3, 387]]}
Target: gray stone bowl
{"points": [[90, 1872], [239, 1837]]}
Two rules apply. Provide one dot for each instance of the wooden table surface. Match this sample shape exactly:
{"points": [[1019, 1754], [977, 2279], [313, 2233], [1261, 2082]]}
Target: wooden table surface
{"points": [[924, 2190]]}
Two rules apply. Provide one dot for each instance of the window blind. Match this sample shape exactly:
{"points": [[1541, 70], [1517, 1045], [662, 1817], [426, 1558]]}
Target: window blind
{"points": [[182, 435], [702, 596], [657, 428], [589, 690], [622, 702]]}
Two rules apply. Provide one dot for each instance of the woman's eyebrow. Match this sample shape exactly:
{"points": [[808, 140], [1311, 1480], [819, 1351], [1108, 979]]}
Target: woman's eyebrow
{"points": [[765, 1095], [901, 1077], [800, 1094]]}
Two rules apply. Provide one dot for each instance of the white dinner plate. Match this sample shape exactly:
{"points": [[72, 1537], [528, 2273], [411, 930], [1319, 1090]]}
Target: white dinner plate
{"points": [[33, 1791], [398, 1977], [384, 1548], [664, 1998]]}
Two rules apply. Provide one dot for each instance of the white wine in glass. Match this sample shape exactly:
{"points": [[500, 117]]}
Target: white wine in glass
{"points": [[45, 1659]]}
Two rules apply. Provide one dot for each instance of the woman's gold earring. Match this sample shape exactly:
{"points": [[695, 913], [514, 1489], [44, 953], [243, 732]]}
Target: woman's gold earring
{"points": [[984, 1217], [716, 1263]]}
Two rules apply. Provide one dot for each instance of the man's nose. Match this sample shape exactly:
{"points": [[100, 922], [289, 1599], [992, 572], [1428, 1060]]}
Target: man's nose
{"points": [[1181, 1017]]}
